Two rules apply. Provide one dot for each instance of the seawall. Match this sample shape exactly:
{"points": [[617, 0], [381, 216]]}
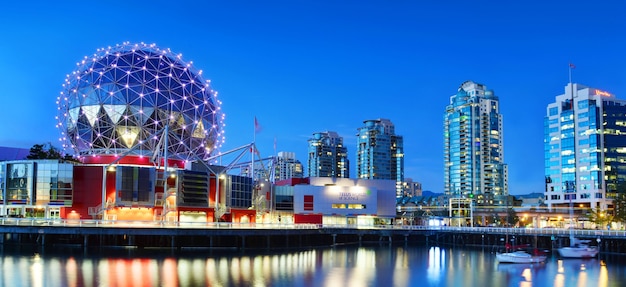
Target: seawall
{"points": [[89, 233]]}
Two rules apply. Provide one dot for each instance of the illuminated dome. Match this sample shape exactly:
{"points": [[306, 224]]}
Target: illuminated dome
{"points": [[120, 101]]}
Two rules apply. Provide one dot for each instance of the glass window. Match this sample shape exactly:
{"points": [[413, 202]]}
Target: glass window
{"points": [[554, 111]]}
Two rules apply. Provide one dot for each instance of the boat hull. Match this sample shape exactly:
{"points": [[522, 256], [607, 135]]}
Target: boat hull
{"points": [[578, 252], [519, 257]]}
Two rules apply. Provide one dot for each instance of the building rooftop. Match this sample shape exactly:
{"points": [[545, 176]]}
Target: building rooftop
{"points": [[13, 153]]}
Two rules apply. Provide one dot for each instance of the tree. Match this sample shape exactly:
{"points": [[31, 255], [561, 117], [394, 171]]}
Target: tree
{"points": [[619, 205], [44, 151], [600, 217], [511, 219]]}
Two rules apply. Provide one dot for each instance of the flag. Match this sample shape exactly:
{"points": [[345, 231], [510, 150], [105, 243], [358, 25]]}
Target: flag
{"points": [[257, 126], [572, 66]]}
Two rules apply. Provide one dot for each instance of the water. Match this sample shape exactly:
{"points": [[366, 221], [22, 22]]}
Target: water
{"points": [[376, 265]]}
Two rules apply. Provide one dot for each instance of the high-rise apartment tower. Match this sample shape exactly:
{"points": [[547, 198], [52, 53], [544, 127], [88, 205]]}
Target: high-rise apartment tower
{"points": [[473, 147], [328, 157], [287, 166], [380, 153]]}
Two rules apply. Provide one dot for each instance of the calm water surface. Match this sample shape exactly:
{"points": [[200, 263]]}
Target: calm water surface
{"points": [[377, 265]]}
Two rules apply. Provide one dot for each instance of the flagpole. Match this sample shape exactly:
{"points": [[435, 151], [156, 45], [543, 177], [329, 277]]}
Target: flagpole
{"points": [[253, 149], [570, 74]]}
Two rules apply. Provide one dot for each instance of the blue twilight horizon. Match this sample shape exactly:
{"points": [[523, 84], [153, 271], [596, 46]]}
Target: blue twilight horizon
{"points": [[302, 67]]}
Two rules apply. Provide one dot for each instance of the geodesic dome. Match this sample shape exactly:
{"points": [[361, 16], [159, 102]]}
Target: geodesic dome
{"points": [[134, 99]]}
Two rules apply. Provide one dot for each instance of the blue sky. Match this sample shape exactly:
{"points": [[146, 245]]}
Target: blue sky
{"points": [[308, 66]]}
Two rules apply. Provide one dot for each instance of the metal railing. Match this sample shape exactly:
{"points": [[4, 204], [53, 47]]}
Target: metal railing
{"points": [[10, 221]]}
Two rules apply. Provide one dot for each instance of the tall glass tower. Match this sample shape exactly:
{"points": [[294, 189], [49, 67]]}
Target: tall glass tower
{"points": [[328, 157], [584, 148], [380, 153], [473, 148]]}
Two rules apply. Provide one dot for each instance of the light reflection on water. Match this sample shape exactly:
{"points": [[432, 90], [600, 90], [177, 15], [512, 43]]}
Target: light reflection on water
{"points": [[340, 266]]}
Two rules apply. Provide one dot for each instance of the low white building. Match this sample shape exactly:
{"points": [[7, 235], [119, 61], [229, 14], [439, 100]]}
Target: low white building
{"points": [[347, 201]]}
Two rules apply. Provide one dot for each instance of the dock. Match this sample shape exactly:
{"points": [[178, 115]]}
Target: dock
{"points": [[226, 235]]}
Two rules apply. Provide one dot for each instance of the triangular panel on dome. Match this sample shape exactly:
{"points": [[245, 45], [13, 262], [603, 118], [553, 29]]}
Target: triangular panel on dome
{"points": [[110, 94], [135, 78], [128, 134], [124, 61], [91, 112], [114, 112], [149, 97], [105, 130], [142, 114], [90, 97], [81, 144], [152, 63], [72, 117], [118, 74], [130, 96], [122, 80], [189, 120], [128, 118], [149, 143], [162, 115], [75, 101], [107, 77], [85, 135], [198, 131], [176, 90], [177, 119]]}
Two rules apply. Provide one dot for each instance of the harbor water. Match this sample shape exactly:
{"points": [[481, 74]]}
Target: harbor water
{"points": [[350, 265]]}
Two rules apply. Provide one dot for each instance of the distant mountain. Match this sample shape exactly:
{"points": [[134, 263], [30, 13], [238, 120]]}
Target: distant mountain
{"points": [[430, 193], [530, 195]]}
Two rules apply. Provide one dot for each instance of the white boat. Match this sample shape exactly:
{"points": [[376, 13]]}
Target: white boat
{"points": [[578, 249], [520, 257]]}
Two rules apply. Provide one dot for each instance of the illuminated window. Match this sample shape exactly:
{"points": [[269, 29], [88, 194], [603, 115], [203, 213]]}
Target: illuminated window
{"points": [[348, 206]]}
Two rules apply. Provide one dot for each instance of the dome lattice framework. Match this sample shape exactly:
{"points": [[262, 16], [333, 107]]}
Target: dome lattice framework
{"points": [[120, 100]]}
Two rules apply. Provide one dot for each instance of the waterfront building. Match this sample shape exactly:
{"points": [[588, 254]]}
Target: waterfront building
{"points": [[473, 146], [286, 166], [380, 153], [35, 188], [584, 143], [325, 200], [328, 157]]}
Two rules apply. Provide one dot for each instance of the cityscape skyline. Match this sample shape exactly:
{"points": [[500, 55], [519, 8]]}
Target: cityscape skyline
{"points": [[303, 68]]}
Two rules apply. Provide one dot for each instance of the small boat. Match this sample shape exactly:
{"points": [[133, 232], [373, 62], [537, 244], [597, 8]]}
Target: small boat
{"points": [[520, 257], [578, 249]]}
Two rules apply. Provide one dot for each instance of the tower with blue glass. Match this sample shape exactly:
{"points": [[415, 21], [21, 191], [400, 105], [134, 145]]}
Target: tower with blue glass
{"points": [[584, 148], [473, 147], [380, 152]]}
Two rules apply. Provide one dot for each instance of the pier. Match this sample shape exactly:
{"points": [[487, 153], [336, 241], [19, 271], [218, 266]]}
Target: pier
{"points": [[218, 235]]}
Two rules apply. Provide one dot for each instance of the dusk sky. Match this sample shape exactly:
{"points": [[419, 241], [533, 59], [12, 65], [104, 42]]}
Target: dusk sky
{"points": [[303, 67]]}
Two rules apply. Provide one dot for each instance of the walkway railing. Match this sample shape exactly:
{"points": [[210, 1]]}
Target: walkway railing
{"points": [[9, 221]]}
